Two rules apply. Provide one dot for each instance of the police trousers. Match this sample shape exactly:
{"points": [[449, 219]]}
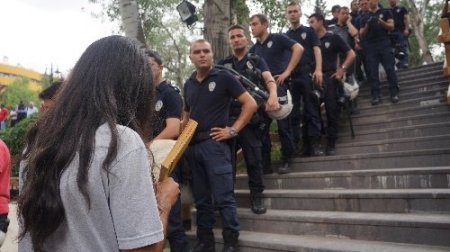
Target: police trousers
{"points": [[212, 184]]}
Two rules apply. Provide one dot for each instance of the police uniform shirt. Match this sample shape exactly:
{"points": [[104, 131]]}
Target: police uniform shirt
{"points": [[276, 51], [376, 32], [208, 102], [398, 14], [332, 45], [168, 104], [342, 31], [308, 39], [244, 64]]}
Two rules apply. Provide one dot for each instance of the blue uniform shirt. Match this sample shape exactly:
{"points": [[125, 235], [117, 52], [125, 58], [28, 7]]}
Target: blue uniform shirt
{"points": [[243, 65], [376, 32], [208, 102], [168, 104], [398, 13], [276, 51], [308, 39], [332, 45]]}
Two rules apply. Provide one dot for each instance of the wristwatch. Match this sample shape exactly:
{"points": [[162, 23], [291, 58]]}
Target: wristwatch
{"points": [[233, 131], [343, 68]]}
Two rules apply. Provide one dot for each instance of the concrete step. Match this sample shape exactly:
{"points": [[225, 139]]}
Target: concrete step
{"points": [[422, 229], [369, 161], [354, 200], [381, 116], [404, 178], [423, 68], [421, 130], [402, 121], [271, 242], [404, 85], [389, 145], [387, 105], [432, 89], [420, 74]]}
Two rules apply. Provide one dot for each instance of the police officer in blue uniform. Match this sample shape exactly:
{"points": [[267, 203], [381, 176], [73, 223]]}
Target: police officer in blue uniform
{"points": [[255, 69], [331, 46], [308, 70], [282, 55], [399, 35], [166, 125], [208, 94], [374, 31]]}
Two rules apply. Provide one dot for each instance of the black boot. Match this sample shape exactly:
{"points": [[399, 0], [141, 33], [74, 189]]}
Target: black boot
{"points": [[331, 147], [205, 241], [230, 238], [257, 203], [284, 168], [315, 146]]}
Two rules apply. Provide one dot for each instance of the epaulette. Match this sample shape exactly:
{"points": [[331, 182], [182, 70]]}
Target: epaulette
{"points": [[175, 87]]}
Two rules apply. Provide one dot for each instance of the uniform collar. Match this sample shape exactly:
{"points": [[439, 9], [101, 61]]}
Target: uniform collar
{"points": [[214, 71]]}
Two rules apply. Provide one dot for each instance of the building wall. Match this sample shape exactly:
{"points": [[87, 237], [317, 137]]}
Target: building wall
{"points": [[8, 74]]}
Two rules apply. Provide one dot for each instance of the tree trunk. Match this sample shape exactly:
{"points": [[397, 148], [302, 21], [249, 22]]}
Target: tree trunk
{"points": [[416, 16], [131, 21], [217, 20]]}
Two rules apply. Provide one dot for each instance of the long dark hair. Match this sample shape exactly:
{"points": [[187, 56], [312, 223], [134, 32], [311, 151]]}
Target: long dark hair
{"points": [[111, 83]]}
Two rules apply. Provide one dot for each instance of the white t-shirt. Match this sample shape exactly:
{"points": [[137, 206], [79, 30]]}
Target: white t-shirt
{"points": [[123, 213]]}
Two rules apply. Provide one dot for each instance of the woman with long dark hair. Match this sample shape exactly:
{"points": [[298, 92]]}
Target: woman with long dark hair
{"points": [[85, 175]]}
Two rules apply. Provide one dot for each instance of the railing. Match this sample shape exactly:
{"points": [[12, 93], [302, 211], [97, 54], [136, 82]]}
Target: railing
{"points": [[444, 37]]}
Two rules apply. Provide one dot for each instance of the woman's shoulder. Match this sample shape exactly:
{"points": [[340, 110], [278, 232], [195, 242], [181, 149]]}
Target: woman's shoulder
{"points": [[127, 140]]}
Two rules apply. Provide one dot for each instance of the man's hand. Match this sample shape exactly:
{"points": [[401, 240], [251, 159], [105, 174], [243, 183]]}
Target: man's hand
{"points": [[220, 134], [280, 78], [318, 78], [272, 103], [338, 74]]}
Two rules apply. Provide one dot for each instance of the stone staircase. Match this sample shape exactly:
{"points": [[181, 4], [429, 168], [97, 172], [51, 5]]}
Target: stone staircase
{"points": [[388, 189]]}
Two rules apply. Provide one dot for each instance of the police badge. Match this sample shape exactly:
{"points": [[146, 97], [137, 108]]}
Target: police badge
{"points": [[269, 44], [381, 16], [304, 35], [249, 65], [327, 44], [228, 65], [211, 86], [158, 105]]}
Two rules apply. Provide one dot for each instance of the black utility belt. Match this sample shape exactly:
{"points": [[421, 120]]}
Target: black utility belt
{"points": [[200, 137]]}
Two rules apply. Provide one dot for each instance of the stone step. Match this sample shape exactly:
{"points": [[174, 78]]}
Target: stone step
{"points": [[420, 130], [423, 68], [401, 144], [381, 116], [387, 105], [423, 177], [430, 118], [433, 89], [354, 200], [368, 161], [422, 229], [270, 242], [420, 74], [404, 85]]}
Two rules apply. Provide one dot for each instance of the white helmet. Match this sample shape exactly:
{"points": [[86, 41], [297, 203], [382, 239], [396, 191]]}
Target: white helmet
{"points": [[285, 107], [351, 91]]}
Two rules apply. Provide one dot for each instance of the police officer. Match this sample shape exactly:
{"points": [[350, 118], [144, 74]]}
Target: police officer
{"points": [[331, 46], [252, 67], [282, 55], [399, 35], [208, 94], [374, 28], [166, 125], [302, 86]]}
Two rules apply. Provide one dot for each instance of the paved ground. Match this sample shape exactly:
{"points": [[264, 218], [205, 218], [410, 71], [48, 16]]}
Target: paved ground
{"points": [[10, 244]]}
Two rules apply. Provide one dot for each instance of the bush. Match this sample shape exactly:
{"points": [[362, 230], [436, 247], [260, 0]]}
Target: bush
{"points": [[14, 137]]}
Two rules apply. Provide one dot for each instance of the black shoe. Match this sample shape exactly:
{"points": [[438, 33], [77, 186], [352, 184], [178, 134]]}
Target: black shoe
{"points": [[376, 101], [284, 168], [315, 147], [204, 247], [230, 241], [395, 99], [257, 203], [330, 151], [229, 248]]}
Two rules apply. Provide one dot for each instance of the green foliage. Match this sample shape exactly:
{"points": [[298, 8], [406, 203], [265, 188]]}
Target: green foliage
{"points": [[275, 10], [320, 6], [18, 91], [240, 9], [14, 138]]}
